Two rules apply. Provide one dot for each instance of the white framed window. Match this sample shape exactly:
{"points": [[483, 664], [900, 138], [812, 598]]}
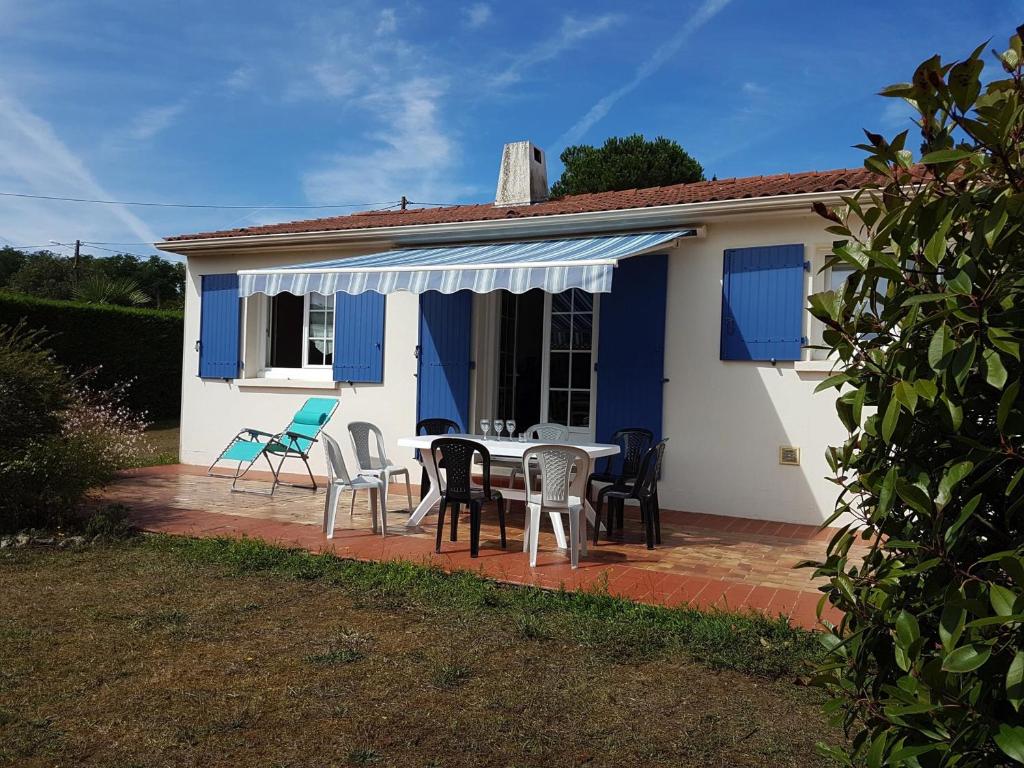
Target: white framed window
{"points": [[569, 382], [298, 339]]}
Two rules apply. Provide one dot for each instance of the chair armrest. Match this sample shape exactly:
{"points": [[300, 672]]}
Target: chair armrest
{"points": [[297, 436], [257, 432]]}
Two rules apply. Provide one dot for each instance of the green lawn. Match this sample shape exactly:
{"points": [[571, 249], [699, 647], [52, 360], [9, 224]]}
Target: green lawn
{"points": [[162, 444], [165, 651]]}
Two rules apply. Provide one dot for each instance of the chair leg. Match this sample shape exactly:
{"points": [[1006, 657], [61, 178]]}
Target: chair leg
{"points": [[535, 513], [424, 484], [620, 513], [385, 479], [408, 492], [648, 525], [474, 529], [501, 522], [583, 531], [440, 524], [656, 509], [383, 513], [456, 509], [597, 518], [331, 510], [574, 539], [352, 506]]}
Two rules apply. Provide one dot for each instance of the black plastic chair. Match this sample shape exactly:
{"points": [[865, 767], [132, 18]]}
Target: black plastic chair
{"points": [[455, 455], [634, 443], [438, 426], [644, 489]]}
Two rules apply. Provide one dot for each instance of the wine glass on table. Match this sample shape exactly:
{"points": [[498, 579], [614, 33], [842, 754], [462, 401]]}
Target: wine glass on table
{"points": [[510, 425], [485, 427], [499, 426]]}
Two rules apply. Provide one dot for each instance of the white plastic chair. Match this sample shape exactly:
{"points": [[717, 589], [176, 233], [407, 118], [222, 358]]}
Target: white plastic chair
{"points": [[338, 480], [562, 472], [376, 464], [548, 432]]}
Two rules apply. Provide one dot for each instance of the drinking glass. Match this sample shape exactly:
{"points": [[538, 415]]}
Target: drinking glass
{"points": [[485, 427], [499, 425], [510, 425]]}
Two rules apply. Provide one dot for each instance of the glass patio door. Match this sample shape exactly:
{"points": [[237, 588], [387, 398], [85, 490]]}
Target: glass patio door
{"points": [[570, 343]]}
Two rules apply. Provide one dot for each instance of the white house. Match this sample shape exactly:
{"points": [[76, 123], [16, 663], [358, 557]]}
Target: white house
{"points": [[678, 308]]}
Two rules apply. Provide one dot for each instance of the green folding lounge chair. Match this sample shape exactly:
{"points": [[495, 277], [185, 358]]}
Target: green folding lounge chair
{"points": [[293, 442]]}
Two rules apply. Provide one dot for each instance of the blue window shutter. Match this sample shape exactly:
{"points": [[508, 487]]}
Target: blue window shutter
{"points": [[763, 297], [444, 356], [219, 325], [359, 337], [631, 347]]}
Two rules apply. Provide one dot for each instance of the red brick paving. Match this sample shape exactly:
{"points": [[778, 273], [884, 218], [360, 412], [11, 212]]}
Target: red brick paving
{"points": [[705, 561]]}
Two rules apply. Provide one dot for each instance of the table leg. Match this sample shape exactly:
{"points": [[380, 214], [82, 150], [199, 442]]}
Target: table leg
{"points": [[432, 498]]}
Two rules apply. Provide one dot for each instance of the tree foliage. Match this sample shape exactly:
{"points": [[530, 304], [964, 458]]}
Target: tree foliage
{"points": [[46, 275], [927, 666], [625, 163]]}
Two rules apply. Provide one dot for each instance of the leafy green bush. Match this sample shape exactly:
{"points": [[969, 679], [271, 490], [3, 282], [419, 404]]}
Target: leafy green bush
{"points": [[124, 344], [927, 665], [60, 438]]}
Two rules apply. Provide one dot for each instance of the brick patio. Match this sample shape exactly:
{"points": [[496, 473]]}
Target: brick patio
{"points": [[705, 561]]}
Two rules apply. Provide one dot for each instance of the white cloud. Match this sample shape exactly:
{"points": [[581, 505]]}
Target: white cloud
{"points": [[388, 23], [572, 31], [413, 156], [241, 78], [34, 160], [707, 11], [152, 121], [477, 15], [753, 89]]}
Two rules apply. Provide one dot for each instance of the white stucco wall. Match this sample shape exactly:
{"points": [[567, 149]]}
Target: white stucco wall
{"points": [[213, 411], [725, 420]]}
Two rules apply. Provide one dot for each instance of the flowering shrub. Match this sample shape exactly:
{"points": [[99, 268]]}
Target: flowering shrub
{"points": [[60, 437]]}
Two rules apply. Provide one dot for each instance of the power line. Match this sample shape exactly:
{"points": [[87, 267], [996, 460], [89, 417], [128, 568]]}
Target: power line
{"points": [[191, 205]]}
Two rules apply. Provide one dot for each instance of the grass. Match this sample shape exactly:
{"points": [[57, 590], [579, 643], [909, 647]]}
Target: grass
{"points": [[165, 651], [162, 439]]}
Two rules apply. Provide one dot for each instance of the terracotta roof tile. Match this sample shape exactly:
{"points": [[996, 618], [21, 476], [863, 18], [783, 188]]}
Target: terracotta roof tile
{"points": [[696, 192]]}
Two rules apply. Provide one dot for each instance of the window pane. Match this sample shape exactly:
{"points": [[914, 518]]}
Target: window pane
{"points": [[316, 301], [581, 370], [559, 369], [562, 302], [579, 415], [582, 301], [837, 277], [317, 325], [582, 331], [558, 406], [560, 325]]}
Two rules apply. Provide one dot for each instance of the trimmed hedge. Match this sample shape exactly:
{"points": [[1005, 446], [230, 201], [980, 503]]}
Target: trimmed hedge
{"points": [[125, 342]]}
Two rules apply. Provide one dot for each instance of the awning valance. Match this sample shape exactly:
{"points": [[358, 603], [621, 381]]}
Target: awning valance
{"points": [[552, 265]]}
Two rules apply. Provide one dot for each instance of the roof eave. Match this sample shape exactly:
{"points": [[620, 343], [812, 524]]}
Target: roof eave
{"points": [[589, 222]]}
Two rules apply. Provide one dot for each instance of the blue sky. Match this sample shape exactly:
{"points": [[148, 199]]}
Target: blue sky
{"points": [[244, 103]]}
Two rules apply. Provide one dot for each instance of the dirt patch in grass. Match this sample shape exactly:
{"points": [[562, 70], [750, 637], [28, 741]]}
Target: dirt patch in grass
{"points": [[134, 655]]}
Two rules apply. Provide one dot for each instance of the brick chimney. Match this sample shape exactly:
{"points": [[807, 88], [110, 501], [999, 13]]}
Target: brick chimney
{"points": [[523, 178]]}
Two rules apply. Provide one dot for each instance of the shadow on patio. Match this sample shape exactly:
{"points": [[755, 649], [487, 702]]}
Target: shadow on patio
{"points": [[705, 561]]}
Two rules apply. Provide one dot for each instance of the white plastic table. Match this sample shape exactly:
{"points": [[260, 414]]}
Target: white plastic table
{"points": [[499, 449]]}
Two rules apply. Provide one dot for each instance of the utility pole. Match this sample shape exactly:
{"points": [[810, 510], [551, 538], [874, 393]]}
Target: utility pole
{"points": [[404, 202], [78, 247]]}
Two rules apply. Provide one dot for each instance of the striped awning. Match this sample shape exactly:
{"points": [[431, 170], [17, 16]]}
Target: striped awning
{"points": [[552, 265]]}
